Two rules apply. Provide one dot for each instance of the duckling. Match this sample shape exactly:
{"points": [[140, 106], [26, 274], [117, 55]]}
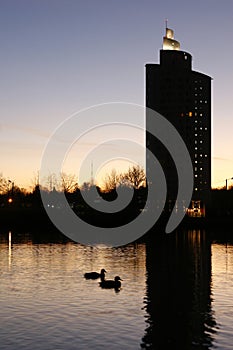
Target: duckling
{"points": [[95, 275], [111, 283]]}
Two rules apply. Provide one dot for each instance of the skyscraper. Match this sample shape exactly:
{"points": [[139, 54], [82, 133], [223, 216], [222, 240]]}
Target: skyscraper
{"points": [[183, 97]]}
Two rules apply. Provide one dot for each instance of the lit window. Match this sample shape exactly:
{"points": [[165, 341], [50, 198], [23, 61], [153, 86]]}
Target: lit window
{"points": [[190, 114], [201, 141]]}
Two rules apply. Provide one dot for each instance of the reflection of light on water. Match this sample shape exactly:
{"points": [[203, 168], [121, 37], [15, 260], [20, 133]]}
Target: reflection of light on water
{"points": [[9, 249], [222, 280], [47, 279], [222, 261], [226, 257]]}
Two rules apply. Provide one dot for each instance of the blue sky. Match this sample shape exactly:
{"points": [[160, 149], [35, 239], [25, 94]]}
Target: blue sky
{"points": [[58, 57]]}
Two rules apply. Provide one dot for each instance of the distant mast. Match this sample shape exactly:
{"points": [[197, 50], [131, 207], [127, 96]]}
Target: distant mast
{"points": [[92, 178]]}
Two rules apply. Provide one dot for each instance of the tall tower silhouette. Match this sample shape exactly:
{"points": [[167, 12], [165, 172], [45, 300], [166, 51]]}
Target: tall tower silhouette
{"points": [[183, 97]]}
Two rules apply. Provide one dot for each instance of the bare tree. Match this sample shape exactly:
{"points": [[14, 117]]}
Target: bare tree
{"points": [[111, 181], [135, 176], [35, 183], [51, 182], [4, 185], [69, 182]]}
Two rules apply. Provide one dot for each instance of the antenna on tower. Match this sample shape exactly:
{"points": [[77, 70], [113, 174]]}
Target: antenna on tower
{"points": [[166, 22], [92, 178]]}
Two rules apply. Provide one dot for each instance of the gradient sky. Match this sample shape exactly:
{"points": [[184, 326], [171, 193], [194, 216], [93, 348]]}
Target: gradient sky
{"points": [[60, 56]]}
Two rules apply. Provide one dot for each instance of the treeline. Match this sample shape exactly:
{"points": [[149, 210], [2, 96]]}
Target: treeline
{"points": [[12, 195]]}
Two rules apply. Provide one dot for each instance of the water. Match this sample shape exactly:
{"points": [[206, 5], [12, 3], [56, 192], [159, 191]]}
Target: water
{"points": [[176, 294], [222, 264]]}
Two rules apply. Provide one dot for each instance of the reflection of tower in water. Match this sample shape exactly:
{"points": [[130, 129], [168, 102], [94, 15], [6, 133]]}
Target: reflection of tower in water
{"points": [[178, 298]]}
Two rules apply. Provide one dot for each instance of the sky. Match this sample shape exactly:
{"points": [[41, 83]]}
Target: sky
{"points": [[62, 56]]}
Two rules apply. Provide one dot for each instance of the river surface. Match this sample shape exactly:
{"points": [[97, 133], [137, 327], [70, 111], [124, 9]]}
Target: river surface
{"points": [[176, 294]]}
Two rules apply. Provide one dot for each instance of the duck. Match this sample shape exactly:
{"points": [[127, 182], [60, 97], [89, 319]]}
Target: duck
{"points": [[116, 283], [95, 275]]}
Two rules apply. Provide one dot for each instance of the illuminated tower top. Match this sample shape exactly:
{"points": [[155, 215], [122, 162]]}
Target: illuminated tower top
{"points": [[169, 43]]}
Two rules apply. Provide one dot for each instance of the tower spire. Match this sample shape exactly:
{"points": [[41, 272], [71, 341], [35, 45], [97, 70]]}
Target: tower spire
{"points": [[169, 43]]}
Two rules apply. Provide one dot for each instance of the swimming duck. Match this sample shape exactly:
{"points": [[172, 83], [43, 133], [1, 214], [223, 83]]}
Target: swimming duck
{"points": [[111, 283], [95, 275]]}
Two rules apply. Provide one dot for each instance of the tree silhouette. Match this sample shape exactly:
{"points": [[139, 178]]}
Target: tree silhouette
{"points": [[135, 176]]}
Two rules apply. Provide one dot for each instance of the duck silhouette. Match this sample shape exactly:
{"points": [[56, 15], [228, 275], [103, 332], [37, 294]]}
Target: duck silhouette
{"points": [[116, 283], [95, 275]]}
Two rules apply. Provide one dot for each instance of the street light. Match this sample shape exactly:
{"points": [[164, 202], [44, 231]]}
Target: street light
{"points": [[231, 178], [10, 191]]}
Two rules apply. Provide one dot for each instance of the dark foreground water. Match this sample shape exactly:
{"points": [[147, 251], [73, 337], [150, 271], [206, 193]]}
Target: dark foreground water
{"points": [[177, 293]]}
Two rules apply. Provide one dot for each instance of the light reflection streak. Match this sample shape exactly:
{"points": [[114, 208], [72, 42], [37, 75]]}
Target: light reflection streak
{"points": [[9, 250]]}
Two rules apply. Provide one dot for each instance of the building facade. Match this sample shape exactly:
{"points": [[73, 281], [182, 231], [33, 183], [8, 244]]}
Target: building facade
{"points": [[183, 97]]}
